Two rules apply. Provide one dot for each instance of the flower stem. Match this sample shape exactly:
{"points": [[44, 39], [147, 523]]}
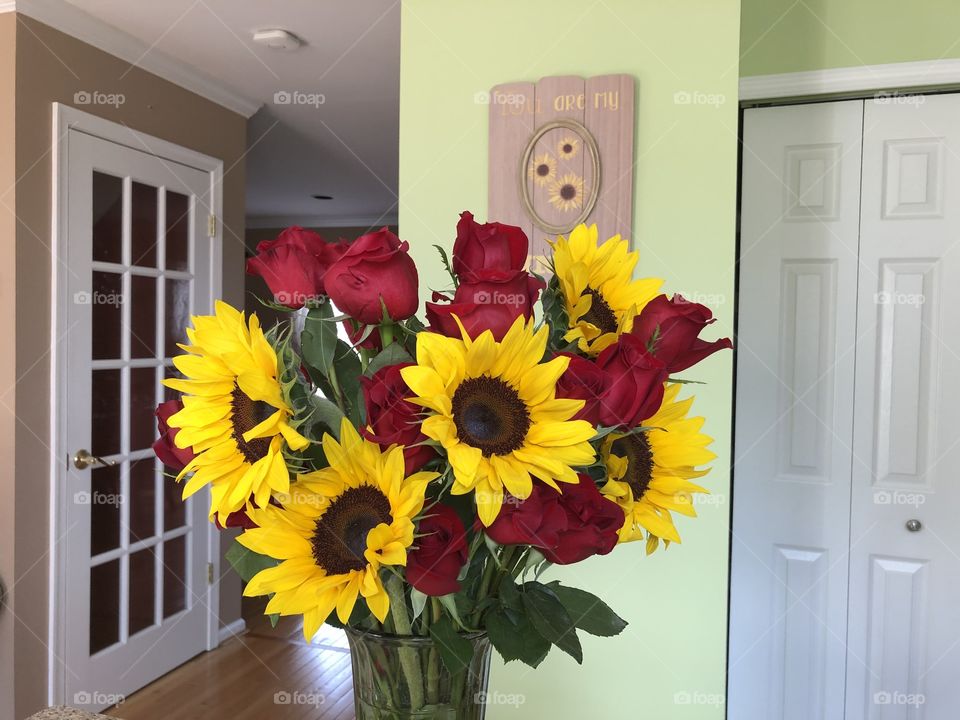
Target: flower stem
{"points": [[408, 656]]}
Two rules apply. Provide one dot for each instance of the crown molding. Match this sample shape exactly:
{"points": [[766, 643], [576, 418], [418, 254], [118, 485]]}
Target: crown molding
{"points": [[260, 222], [860, 79], [77, 23]]}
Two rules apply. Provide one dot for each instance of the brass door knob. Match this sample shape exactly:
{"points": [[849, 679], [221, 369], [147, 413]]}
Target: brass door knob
{"points": [[913, 525], [83, 459]]}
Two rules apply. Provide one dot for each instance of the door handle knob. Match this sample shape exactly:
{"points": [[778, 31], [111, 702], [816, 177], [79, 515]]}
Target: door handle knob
{"points": [[913, 525], [83, 459]]}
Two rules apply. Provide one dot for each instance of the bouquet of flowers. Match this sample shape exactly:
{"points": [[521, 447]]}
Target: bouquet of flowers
{"points": [[412, 483]]}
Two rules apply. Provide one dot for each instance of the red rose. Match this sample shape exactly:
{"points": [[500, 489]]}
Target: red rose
{"points": [[566, 527], [486, 300], [584, 380], [356, 333], [391, 419], [671, 327], [164, 447], [237, 519], [593, 523], [440, 552], [635, 380], [294, 264], [491, 246], [375, 268]]}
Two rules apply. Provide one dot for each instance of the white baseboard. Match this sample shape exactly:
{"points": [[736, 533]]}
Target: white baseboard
{"points": [[237, 627]]}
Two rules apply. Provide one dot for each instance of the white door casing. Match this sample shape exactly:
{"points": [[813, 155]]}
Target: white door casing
{"points": [[904, 627], [91, 663], [795, 366]]}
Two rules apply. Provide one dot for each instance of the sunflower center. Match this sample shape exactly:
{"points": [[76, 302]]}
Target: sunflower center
{"points": [[543, 169], [568, 192], [247, 414], [490, 415], [340, 537], [636, 448], [600, 314]]}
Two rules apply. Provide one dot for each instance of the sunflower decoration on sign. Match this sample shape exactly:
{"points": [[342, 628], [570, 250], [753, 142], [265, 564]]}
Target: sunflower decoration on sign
{"points": [[567, 147], [543, 169], [566, 193], [413, 484]]}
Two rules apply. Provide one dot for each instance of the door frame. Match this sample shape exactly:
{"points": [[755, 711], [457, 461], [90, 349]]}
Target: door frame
{"points": [[65, 121]]}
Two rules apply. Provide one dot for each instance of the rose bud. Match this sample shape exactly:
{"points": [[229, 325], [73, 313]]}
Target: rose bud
{"points": [[391, 419], [491, 246], [293, 265], [375, 271], [164, 447], [635, 380], [440, 552], [486, 300], [671, 328]]}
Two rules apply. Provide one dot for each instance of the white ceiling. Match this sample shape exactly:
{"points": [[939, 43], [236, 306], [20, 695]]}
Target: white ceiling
{"points": [[344, 146]]}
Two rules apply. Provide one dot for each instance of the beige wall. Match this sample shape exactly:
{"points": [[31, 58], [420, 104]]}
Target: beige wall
{"points": [[8, 371], [51, 66]]}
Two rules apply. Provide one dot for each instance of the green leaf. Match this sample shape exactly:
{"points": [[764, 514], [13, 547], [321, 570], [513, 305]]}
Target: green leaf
{"points": [[319, 339], [455, 650], [510, 595], [588, 612], [246, 562], [418, 600], [392, 354], [327, 414], [446, 263], [686, 382], [516, 640], [551, 619]]}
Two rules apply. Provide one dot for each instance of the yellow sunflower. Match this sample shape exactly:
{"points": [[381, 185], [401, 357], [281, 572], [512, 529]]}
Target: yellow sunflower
{"points": [[600, 295], [543, 169], [566, 193], [234, 415], [567, 147], [649, 472], [337, 528], [496, 413]]}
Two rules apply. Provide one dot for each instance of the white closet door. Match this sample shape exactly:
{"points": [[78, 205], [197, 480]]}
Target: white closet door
{"points": [[795, 363], [904, 659]]}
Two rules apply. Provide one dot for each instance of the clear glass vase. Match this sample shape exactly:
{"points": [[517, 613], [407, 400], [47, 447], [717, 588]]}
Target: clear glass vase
{"points": [[402, 677]]}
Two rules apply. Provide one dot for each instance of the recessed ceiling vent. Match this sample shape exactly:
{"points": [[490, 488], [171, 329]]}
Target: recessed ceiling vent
{"points": [[278, 39]]}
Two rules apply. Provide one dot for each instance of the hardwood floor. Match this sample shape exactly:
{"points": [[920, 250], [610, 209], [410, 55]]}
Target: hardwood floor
{"points": [[266, 674]]}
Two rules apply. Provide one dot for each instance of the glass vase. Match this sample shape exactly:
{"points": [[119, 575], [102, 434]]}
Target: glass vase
{"points": [[403, 677]]}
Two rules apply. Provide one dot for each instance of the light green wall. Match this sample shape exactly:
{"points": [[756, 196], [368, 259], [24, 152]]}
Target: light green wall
{"points": [[779, 36], [674, 648]]}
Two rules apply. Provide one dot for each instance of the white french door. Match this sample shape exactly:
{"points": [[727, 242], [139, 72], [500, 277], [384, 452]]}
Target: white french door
{"points": [[135, 262], [845, 566]]}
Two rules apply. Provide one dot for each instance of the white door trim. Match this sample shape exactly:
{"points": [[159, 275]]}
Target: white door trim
{"points": [[924, 74], [65, 119]]}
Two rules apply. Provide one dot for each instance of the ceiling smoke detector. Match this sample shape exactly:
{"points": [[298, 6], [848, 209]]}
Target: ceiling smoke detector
{"points": [[277, 39]]}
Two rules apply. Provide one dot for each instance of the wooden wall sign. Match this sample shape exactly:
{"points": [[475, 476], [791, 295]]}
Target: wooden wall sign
{"points": [[561, 153]]}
